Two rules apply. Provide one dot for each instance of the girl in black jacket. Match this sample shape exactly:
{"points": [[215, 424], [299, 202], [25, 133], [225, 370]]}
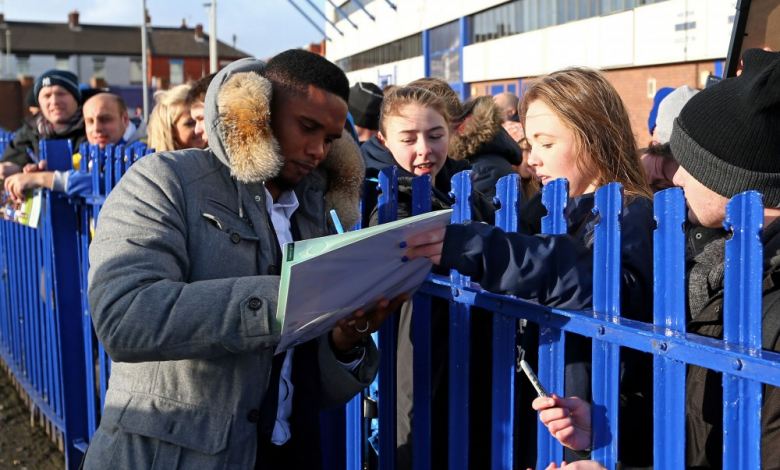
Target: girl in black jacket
{"points": [[415, 126]]}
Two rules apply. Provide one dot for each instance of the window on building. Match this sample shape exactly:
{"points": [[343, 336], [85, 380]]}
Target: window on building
{"points": [[63, 63], [176, 71], [99, 67], [136, 72], [23, 66], [519, 16], [443, 48], [402, 49]]}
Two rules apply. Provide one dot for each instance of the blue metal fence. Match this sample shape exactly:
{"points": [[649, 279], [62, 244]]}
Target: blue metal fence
{"points": [[47, 342]]}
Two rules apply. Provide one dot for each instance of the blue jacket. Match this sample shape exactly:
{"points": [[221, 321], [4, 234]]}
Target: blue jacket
{"points": [[557, 270]]}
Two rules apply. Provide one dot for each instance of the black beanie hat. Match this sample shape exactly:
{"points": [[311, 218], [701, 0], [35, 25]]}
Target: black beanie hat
{"points": [[728, 135], [365, 101], [62, 78]]}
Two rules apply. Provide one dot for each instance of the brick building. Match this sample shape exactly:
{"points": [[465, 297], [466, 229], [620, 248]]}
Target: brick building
{"points": [[103, 55]]}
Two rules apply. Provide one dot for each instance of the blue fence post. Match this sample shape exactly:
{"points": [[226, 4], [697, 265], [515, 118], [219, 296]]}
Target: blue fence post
{"points": [[552, 341], [460, 342], [421, 338], [388, 336], [742, 318], [669, 313], [606, 299], [66, 291], [504, 341]]}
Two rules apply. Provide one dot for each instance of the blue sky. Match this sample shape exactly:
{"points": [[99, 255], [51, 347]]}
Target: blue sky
{"points": [[262, 27]]}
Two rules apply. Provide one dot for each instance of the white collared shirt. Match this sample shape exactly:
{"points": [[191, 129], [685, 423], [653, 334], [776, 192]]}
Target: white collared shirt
{"points": [[280, 213]]}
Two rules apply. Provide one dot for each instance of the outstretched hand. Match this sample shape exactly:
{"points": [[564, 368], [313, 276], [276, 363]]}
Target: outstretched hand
{"points": [[358, 326], [425, 245], [581, 465], [567, 419]]}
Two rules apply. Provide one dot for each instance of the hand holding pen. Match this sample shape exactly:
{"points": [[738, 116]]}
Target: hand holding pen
{"points": [[567, 419]]}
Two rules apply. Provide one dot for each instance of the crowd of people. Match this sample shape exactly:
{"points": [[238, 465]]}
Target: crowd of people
{"points": [[185, 263]]}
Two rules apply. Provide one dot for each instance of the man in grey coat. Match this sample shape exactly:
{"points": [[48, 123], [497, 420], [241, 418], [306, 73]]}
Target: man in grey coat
{"points": [[184, 280]]}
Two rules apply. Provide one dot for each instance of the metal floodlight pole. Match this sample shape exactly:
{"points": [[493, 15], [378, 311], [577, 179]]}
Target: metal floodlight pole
{"points": [[213, 38], [144, 65], [8, 53]]}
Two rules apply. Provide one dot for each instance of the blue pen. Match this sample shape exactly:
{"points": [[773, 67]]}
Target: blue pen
{"points": [[336, 221]]}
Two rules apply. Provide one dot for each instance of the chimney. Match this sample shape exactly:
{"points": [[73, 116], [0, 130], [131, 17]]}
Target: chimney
{"points": [[199, 36], [2, 18], [73, 20], [183, 23], [148, 17]]}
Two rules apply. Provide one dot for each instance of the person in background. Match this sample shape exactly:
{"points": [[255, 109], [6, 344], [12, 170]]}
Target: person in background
{"points": [[724, 143], [59, 98], [365, 99], [482, 141], [415, 127], [107, 122], [171, 126], [31, 102], [507, 103], [577, 127], [196, 97], [652, 117]]}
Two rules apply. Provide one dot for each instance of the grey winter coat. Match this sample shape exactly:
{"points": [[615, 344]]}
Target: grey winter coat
{"points": [[183, 288]]}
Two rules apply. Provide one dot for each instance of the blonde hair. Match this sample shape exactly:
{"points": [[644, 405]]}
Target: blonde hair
{"points": [[168, 108], [587, 103], [400, 97]]}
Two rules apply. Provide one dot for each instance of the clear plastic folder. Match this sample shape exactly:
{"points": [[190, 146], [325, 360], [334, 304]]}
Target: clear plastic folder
{"points": [[328, 278]]}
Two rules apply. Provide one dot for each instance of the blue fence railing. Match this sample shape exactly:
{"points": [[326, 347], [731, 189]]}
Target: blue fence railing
{"points": [[47, 341]]}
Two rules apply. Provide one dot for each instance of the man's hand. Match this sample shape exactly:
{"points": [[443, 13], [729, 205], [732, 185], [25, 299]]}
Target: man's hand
{"points": [[7, 169], [17, 184], [567, 419], [426, 244], [581, 465], [360, 324]]}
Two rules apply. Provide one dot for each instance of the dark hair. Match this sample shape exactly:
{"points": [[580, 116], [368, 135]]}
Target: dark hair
{"points": [[296, 69], [197, 93]]}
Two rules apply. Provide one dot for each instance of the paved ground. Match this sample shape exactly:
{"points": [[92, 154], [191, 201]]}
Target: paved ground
{"points": [[22, 446]]}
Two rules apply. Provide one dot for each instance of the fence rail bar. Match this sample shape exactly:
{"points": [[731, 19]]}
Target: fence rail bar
{"points": [[422, 337], [504, 343], [552, 341], [669, 312], [742, 318], [388, 337], [689, 348]]}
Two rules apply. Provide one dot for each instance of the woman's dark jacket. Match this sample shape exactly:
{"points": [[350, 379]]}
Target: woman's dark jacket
{"points": [[482, 141], [557, 271]]}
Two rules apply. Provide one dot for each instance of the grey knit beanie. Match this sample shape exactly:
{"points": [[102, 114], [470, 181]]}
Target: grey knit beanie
{"points": [[728, 135], [669, 109]]}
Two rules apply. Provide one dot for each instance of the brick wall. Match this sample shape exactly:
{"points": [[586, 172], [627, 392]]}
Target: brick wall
{"points": [[632, 84]]}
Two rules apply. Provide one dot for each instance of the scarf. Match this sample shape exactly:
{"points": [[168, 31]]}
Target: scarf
{"points": [[47, 130]]}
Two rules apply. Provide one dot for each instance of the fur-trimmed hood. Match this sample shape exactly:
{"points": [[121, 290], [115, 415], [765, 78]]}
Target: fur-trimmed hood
{"points": [[482, 133], [238, 124]]}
